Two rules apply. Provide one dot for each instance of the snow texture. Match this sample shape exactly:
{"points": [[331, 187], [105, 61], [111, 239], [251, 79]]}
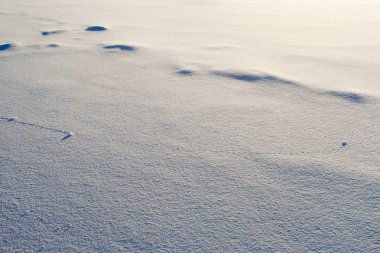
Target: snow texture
{"points": [[234, 126]]}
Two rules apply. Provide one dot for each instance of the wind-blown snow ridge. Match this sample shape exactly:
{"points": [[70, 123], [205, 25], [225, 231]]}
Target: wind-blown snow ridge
{"points": [[271, 79], [120, 47], [67, 134], [253, 78], [352, 97]]}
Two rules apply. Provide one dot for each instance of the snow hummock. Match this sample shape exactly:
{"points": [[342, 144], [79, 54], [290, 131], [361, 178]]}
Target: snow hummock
{"points": [[5, 46], [95, 28]]}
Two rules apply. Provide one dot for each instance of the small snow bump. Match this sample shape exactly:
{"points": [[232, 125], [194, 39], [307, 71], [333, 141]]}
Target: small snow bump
{"points": [[96, 28], [6, 46]]}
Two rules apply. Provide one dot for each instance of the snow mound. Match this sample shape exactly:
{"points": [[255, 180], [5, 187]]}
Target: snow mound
{"points": [[6, 46], [96, 28]]}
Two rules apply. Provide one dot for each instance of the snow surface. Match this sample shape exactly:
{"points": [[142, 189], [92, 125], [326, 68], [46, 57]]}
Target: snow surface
{"points": [[189, 126]]}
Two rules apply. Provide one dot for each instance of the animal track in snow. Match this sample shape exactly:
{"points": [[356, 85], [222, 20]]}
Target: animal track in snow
{"points": [[67, 134]]}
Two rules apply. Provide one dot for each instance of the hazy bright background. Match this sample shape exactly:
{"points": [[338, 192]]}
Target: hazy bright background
{"points": [[331, 44]]}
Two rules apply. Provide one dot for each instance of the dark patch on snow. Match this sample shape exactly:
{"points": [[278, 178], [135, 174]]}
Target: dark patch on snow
{"points": [[351, 97], [253, 78], [185, 72], [67, 135], [96, 28], [47, 33], [10, 119], [120, 47], [53, 45], [6, 46]]}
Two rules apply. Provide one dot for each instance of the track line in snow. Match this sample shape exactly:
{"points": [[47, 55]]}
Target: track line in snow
{"points": [[67, 134]]}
